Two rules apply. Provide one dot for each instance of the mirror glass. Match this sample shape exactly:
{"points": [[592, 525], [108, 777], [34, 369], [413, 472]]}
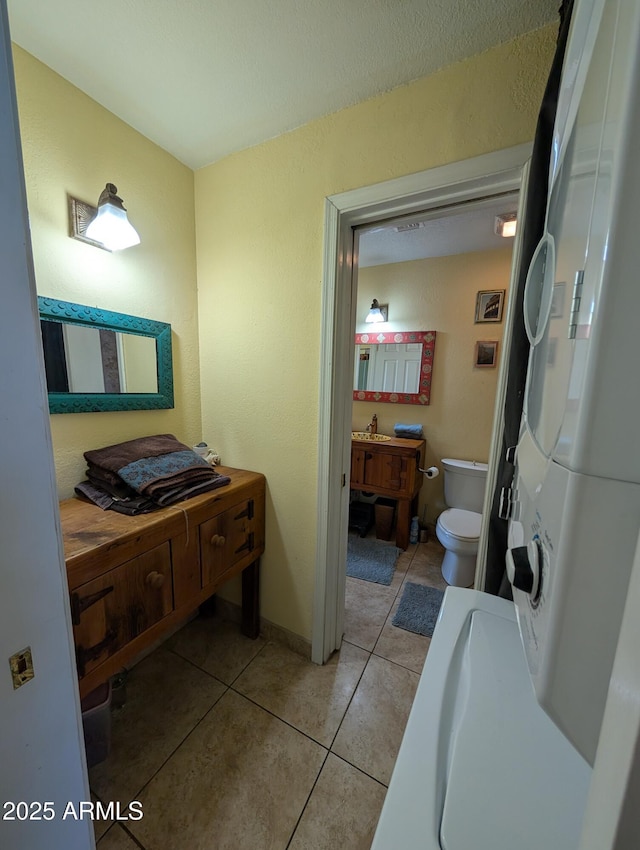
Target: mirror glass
{"points": [[394, 367], [98, 360]]}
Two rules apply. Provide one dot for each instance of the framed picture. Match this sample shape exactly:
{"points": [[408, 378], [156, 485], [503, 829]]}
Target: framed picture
{"points": [[489, 304], [486, 353]]}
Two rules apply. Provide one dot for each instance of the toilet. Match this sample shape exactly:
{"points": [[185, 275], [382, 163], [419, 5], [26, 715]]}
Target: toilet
{"points": [[458, 527]]}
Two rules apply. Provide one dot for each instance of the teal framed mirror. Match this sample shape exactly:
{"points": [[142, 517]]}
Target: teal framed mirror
{"points": [[98, 361]]}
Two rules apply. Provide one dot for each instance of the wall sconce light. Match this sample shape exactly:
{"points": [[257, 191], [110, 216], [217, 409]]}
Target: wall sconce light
{"points": [[506, 224], [378, 312], [105, 226]]}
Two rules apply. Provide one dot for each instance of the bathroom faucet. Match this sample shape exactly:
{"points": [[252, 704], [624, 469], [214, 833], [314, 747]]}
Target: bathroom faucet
{"points": [[372, 427]]}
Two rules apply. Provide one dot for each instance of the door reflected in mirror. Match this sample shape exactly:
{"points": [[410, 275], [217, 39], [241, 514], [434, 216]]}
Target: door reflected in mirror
{"points": [[394, 367], [97, 360]]}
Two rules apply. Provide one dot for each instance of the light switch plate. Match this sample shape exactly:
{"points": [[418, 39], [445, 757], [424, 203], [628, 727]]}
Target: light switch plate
{"points": [[21, 667]]}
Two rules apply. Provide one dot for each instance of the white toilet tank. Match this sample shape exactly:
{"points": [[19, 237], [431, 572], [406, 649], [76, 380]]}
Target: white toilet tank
{"points": [[464, 482]]}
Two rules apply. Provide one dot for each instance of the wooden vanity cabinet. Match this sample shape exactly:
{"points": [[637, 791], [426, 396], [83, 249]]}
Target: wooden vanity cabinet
{"points": [[229, 536], [134, 579], [390, 468], [113, 609]]}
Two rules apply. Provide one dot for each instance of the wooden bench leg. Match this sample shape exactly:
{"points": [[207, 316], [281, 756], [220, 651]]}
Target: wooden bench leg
{"points": [[251, 600], [403, 520]]}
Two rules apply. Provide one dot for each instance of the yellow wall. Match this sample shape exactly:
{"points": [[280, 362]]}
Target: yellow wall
{"points": [[440, 294], [72, 145], [259, 216]]}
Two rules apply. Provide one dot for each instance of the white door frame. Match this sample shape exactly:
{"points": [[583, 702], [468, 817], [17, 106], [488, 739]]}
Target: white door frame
{"points": [[458, 182]]}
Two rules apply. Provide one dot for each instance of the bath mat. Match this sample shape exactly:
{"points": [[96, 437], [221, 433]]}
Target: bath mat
{"points": [[418, 609], [370, 559]]}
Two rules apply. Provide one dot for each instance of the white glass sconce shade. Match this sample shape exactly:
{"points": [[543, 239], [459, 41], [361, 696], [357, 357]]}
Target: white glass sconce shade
{"points": [[111, 226]]}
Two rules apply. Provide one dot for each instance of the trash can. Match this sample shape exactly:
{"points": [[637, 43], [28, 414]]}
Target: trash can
{"points": [[361, 517], [96, 722], [384, 513]]}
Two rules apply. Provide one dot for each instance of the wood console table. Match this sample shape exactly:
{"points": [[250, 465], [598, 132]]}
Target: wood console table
{"points": [[133, 578], [390, 468]]}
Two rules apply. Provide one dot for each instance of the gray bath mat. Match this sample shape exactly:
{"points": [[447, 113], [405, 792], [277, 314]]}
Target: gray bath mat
{"points": [[370, 559], [418, 609]]}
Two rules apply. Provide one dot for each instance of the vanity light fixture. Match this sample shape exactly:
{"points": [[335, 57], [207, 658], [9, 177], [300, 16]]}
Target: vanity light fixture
{"points": [[105, 226], [505, 224], [378, 312]]}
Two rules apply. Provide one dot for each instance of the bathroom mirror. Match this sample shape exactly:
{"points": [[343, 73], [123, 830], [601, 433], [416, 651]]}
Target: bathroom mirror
{"points": [[394, 367], [98, 360]]}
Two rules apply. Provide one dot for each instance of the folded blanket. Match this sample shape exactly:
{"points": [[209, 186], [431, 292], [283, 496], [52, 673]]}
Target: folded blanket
{"points": [[185, 479], [131, 506], [156, 470], [142, 473], [179, 494], [413, 432], [109, 481], [113, 458]]}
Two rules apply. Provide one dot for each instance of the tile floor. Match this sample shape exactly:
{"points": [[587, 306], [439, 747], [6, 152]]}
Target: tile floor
{"points": [[234, 744]]}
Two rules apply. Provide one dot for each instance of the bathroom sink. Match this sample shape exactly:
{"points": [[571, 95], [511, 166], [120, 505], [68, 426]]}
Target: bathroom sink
{"points": [[371, 438]]}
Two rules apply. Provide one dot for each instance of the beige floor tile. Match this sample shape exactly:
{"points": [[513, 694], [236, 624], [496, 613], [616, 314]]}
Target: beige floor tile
{"points": [[217, 646], [366, 608], [310, 697], [239, 782], [117, 839], [99, 826], [166, 697], [400, 646], [426, 569], [403, 562], [342, 812], [432, 551], [372, 729]]}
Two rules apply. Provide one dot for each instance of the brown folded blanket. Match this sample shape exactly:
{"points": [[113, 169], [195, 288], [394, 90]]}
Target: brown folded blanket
{"points": [[113, 458], [131, 506], [170, 496], [159, 468], [109, 481]]}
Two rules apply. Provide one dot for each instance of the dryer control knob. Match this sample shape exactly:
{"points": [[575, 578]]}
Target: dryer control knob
{"points": [[524, 567]]}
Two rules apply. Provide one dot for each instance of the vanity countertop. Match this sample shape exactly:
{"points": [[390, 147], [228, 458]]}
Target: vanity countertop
{"points": [[89, 531], [393, 442]]}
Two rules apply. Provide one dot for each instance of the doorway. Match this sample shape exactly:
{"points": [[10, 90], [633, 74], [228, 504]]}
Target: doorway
{"points": [[427, 271], [470, 180]]}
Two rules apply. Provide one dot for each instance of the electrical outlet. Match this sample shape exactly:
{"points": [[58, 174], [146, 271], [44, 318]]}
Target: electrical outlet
{"points": [[21, 667]]}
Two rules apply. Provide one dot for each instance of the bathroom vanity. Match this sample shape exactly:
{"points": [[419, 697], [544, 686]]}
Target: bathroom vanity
{"points": [[389, 467], [133, 579]]}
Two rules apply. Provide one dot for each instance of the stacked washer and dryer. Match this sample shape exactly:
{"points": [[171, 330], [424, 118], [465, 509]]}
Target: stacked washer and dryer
{"points": [[503, 732]]}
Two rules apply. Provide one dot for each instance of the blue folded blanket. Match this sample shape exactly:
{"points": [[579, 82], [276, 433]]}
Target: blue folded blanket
{"points": [[141, 473], [412, 432]]}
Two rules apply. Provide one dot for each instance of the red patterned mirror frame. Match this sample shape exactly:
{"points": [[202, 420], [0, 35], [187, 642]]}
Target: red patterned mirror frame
{"points": [[428, 340]]}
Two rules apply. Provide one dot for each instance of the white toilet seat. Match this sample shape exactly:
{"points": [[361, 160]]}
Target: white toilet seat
{"points": [[461, 525]]}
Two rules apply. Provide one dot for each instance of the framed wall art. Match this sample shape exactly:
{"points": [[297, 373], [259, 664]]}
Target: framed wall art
{"points": [[486, 353], [489, 304]]}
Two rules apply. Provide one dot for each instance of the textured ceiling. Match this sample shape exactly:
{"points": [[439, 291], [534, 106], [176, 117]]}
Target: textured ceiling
{"points": [[204, 78], [457, 230]]}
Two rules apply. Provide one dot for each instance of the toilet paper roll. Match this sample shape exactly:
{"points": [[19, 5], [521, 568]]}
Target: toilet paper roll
{"points": [[432, 472]]}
